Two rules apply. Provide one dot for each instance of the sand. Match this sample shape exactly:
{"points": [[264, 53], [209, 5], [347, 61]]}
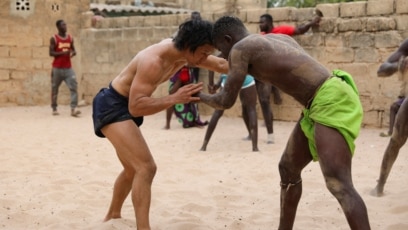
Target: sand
{"points": [[56, 174]]}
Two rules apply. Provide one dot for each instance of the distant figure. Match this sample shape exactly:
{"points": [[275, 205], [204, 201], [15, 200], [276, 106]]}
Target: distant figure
{"points": [[326, 130], [264, 90], [247, 96], [98, 16], [62, 49], [388, 68], [397, 62], [394, 108], [187, 113]]}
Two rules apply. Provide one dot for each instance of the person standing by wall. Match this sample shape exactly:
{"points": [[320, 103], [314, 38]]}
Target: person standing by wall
{"points": [[62, 49], [396, 62], [264, 90], [247, 95]]}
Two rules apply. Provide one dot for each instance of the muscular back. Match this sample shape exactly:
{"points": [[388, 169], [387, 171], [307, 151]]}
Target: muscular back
{"points": [[279, 60]]}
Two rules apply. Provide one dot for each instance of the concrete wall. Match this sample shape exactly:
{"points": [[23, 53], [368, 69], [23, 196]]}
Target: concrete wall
{"points": [[356, 37], [25, 32]]}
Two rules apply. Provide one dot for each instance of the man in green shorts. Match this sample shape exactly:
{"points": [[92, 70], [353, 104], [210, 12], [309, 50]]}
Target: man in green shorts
{"points": [[328, 126]]}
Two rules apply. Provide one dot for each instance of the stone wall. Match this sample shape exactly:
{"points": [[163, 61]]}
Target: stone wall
{"points": [[214, 6], [356, 37], [25, 32]]}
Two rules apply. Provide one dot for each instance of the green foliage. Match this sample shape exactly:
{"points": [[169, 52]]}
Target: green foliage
{"points": [[303, 3]]}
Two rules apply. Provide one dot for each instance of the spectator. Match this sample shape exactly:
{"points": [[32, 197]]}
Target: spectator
{"points": [[62, 49]]}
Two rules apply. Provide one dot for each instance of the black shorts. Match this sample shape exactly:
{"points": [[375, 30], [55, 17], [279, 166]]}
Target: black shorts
{"points": [[108, 107]]}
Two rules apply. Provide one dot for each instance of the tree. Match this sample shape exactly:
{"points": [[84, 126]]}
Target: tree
{"points": [[303, 3]]}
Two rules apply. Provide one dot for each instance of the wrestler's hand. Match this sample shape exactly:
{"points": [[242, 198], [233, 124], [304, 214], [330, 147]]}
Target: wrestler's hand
{"points": [[316, 20], [187, 93], [212, 89]]}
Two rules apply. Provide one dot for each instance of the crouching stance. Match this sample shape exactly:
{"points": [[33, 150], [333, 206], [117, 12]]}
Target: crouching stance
{"points": [[328, 126], [119, 109]]}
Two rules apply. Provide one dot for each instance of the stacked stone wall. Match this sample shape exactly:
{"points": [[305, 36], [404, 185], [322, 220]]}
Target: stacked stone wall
{"points": [[356, 37], [25, 32]]}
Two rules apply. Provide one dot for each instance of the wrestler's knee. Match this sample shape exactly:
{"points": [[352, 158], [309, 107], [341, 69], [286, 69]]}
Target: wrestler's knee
{"points": [[146, 170], [397, 140], [264, 101], [336, 187], [394, 107], [286, 171], [149, 170], [282, 168]]}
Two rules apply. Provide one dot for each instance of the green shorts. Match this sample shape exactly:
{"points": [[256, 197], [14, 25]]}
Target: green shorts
{"points": [[336, 105]]}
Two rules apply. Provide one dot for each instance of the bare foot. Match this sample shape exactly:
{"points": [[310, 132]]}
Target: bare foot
{"points": [[270, 139], [109, 217], [198, 126], [383, 134], [248, 138], [378, 191], [200, 123], [75, 113], [204, 146]]}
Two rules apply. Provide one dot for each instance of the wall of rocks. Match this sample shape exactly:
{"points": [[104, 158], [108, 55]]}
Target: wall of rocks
{"points": [[356, 37]]}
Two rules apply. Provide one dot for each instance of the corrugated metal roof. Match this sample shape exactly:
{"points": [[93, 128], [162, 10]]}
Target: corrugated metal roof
{"points": [[138, 9]]}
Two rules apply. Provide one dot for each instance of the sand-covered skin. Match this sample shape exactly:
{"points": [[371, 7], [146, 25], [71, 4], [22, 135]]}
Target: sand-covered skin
{"points": [[56, 174]]}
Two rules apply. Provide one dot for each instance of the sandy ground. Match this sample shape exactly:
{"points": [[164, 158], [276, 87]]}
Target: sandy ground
{"points": [[56, 174]]}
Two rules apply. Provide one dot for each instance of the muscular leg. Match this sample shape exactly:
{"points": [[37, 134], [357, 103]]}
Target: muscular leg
{"points": [[295, 157], [137, 175], [335, 163], [246, 121], [248, 100], [393, 113], [211, 126], [169, 113], [397, 140], [277, 99], [264, 94]]}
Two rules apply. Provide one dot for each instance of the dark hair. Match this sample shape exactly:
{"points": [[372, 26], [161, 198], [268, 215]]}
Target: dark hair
{"points": [[268, 17], [227, 25], [192, 34], [58, 23], [195, 15]]}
